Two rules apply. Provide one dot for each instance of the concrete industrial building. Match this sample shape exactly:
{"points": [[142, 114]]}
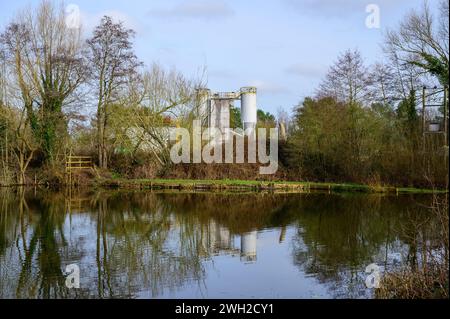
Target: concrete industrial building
{"points": [[214, 108]]}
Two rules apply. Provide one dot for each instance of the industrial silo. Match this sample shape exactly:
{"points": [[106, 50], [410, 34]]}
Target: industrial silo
{"points": [[248, 107]]}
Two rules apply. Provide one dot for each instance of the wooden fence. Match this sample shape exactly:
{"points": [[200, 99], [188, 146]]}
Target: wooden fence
{"points": [[77, 163]]}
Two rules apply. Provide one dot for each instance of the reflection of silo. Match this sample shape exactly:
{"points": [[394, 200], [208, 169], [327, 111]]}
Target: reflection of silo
{"points": [[248, 246], [223, 238], [203, 105], [248, 107], [209, 237]]}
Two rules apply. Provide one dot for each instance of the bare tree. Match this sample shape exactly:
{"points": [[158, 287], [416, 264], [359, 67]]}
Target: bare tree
{"points": [[422, 40], [113, 64], [406, 77], [4, 136], [382, 84], [21, 144], [165, 99], [23, 147], [347, 79]]}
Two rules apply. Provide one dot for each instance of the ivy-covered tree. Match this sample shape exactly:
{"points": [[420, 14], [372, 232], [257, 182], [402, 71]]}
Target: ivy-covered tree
{"points": [[46, 60]]}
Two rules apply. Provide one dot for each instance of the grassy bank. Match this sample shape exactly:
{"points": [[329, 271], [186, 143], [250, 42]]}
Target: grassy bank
{"points": [[183, 184]]}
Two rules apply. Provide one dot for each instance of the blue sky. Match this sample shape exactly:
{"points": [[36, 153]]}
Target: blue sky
{"points": [[283, 47]]}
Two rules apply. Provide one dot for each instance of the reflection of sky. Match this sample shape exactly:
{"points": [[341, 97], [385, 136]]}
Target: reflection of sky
{"points": [[273, 275], [198, 257], [81, 234]]}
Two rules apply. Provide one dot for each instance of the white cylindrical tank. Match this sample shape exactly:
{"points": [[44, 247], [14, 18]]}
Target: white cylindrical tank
{"points": [[248, 107], [248, 246]]}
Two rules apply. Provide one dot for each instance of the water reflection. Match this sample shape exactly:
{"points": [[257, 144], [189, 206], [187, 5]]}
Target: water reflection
{"points": [[158, 245]]}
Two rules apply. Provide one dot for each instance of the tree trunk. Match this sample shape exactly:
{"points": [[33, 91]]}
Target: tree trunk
{"points": [[100, 138]]}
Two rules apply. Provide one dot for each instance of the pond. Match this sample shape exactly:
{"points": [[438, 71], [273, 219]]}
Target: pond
{"points": [[150, 244]]}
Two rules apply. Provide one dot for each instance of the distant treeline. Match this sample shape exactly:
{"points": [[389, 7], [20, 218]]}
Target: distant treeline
{"points": [[364, 123]]}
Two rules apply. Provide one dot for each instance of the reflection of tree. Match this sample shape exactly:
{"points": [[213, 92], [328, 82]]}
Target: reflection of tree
{"points": [[35, 259], [155, 243], [7, 221], [240, 213], [133, 237], [421, 231], [42, 247], [136, 233], [338, 236], [143, 241], [8, 233]]}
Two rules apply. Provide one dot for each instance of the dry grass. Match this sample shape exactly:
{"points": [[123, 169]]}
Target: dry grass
{"points": [[415, 284]]}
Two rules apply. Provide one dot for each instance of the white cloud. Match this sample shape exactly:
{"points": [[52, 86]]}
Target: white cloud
{"points": [[195, 10]]}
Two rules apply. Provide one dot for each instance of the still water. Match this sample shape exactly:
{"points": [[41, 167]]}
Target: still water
{"points": [[203, 245]]}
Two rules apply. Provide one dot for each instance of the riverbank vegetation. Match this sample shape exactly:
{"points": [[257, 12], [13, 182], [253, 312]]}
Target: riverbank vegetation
{"points": [[66, 92]]}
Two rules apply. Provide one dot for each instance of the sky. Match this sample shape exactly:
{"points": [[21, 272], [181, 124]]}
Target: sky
{"points": [[283, 47]]}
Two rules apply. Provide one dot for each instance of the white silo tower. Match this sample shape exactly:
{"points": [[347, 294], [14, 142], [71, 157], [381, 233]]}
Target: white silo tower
{"points": [[248, 107]]}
